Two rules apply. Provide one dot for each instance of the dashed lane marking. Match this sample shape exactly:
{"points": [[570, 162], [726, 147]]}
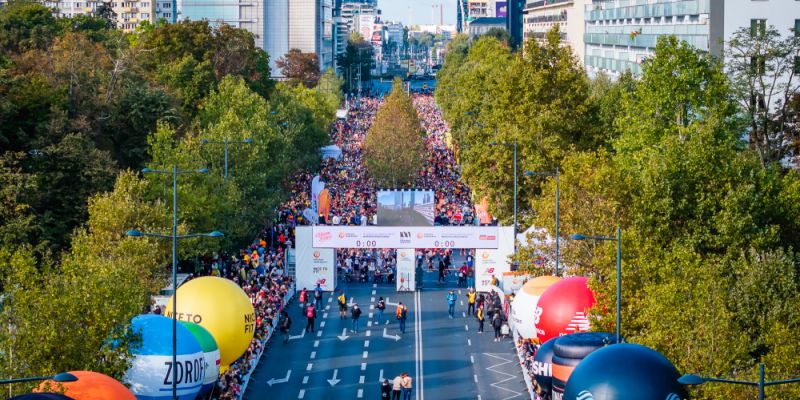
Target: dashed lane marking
{"points": [[365, 355], [302, 394], [360, 393], [475, 377], [308, 367], [466, 327], [313, 355], [469, 342], [322, 324], [319, 333], [325, 315], [472, 359], [361, 380], [316, 343], [363, 366], [369, 333], [305, 379], [366, 343]]}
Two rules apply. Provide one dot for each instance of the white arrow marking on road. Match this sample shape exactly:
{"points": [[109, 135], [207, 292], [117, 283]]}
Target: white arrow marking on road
{"points": [[387, 336], [282, 380], [390, 303], [343, 336], [380, 379], [334, 381], [300, 336]]}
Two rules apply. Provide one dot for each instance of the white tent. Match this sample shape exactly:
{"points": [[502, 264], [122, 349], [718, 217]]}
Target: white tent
{"points": [[332, 151], [341, 114]]}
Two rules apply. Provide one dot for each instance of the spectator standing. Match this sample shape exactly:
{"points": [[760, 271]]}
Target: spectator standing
{"points": [[479, 315], [406, 386], [397, 387], [451, 303], [471, 297], [381, 306], [311, 314], [402, 315], [497, 323], [355, 313], [318, 297], [342, 305], [286, 326], [386, 390], [303, 298]]}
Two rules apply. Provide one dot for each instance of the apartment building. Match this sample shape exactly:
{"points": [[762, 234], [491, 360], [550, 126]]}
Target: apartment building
{"points": [[129, 13]]}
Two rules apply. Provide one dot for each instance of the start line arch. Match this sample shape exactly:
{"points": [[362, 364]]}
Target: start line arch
{"points": [[315, 254]]}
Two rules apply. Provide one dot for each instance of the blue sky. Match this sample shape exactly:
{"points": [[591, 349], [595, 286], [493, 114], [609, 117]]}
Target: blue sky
{"points": [[418, 10]]}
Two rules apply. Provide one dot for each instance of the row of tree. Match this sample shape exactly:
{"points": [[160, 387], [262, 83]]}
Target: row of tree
{"points": [[82, 108], [700, 181]]}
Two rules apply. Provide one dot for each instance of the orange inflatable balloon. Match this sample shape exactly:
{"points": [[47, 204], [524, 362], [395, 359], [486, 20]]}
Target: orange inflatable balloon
{"points": [[91, 386]]}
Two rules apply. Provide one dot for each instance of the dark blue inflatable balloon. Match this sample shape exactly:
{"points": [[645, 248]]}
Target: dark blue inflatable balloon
{"points": [[543, 365], [625, 371]]}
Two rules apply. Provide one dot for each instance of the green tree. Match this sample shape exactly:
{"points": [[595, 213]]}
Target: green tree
{"points": [[763, 66], [299, 67], [394, 148], [26, 25], [356, 63]]}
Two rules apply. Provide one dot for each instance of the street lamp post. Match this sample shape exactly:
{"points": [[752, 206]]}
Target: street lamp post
{"points": [[174, 236], [557, 237], [692, 379], [619, 267], [225, 143], [514, 145]]}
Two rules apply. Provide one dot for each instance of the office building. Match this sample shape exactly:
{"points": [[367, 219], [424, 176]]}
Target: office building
{"points": [[129, 14], [541, 16], [514, 21], [481, 26], [620, 34], [306, 25], [247, 15], [462, 13]]}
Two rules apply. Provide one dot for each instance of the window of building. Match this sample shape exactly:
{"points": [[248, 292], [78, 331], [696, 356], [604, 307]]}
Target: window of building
{"points": [[145, 15], [797, 27], [167, 15], [758, 27], [797, 64], [758, 65], [166, 5]]}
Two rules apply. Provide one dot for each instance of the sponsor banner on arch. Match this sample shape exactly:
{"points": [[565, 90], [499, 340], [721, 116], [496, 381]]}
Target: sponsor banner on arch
{"points": [[314, 265], [406, 273], [406, 237], [494, 262]]}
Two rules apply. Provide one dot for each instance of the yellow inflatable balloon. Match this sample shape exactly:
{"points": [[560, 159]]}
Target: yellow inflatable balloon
{"points": [[223, 308]]}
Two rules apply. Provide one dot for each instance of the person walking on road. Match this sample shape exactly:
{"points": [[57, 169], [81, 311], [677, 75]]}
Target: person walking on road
{"points": [[402, 314], [451, 303], [441, 271], [311, 314], [397, 387], [479, 315], [381, 306], [497, 323], [342, 305], [355, 313], [406, 386], [303, 298], [386, 390], [318, 297], [471, 297], [286, 325]]}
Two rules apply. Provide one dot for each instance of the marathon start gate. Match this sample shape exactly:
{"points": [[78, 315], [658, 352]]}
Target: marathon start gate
{"points": [[316, 246]]}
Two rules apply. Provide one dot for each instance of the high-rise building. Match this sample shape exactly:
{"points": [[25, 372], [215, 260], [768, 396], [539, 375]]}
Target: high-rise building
{"points": [[542, 15], [306, 25], [462, 13], [129, 14], [620, 34], [247, 15], [514, 21]]}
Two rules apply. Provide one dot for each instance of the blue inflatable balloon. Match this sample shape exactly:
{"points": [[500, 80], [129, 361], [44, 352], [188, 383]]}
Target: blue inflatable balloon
{"points": [[150, 374], [543, 365], [625, 371]]}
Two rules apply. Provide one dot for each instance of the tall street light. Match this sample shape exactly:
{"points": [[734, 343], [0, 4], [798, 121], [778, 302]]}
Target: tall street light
{"points": [[514, 145], [174, 236], [529, 173], [226, 143], [692, 379], [619, 267]]}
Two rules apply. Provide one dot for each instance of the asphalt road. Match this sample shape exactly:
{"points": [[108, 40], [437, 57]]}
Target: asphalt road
{"points": [[447, 358]]}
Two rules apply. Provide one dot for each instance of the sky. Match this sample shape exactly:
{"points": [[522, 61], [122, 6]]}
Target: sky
{"points": [[417, 12]]}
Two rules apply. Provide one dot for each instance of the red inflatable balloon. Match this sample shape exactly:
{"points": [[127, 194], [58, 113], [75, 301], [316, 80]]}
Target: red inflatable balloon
{"points": [[562, 309]]}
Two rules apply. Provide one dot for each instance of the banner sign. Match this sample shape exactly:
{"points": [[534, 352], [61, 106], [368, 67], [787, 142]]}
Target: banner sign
{"points": [[494, 262], [406, 272], [406, 237], [314, 265]]}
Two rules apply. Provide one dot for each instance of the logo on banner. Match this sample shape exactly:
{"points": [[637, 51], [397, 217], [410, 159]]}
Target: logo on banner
{"points": [[402, 254], [316, 254], [405, 234], [420, 235], [322, 281], [485, 255], [324, 236], [489, 271], [341, 235], [487, 237]]}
